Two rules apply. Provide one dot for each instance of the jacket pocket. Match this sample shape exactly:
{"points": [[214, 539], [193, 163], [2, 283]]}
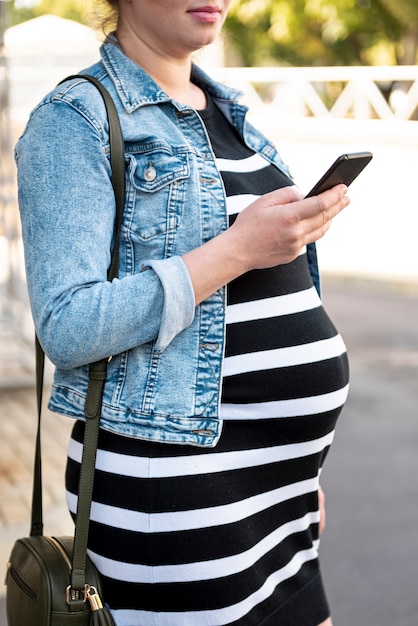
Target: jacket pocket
{"points": [[157, 191]]}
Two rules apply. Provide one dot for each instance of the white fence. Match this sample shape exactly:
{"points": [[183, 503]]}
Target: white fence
{"points": [[384, 93]]}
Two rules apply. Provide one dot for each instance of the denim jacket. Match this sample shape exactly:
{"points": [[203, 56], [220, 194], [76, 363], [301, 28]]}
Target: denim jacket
{"points": [[164, 377]]}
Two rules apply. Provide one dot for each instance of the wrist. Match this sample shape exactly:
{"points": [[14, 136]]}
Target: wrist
{"points": [[214, 264]]}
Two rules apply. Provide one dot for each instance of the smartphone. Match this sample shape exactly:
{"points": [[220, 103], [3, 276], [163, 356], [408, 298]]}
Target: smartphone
{"points": [[344, 170]]}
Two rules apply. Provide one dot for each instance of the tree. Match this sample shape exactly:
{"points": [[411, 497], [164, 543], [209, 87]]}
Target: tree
{"points": [[406, 12], [313, 32], [77, 10]]}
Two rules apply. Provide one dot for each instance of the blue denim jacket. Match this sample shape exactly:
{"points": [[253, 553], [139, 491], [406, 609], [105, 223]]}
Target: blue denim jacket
{"points": [[164, 378]]}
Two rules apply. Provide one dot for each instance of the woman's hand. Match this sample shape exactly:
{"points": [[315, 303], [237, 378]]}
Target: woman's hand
{"points": [[271, 231], [274, 229]]}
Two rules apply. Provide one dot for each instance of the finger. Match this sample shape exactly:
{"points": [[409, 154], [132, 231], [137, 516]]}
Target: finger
{"points": [[285, 195], [331, 201], [320, 222], [335, 192]]}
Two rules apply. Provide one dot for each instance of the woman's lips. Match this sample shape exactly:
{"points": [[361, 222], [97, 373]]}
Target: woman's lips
{"points": [[207, 14]]}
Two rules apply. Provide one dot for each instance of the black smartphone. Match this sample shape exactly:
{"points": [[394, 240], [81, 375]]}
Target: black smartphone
{"points": [[344, 170]]}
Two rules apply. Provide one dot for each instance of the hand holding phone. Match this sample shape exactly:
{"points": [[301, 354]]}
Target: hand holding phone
{"points": [[344, 170]]}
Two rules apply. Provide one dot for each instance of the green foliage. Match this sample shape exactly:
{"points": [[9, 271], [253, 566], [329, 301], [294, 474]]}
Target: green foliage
{"points": [[77, 10], [406, 11], [314, 32]]}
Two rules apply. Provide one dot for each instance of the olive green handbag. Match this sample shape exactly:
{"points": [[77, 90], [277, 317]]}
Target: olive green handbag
{"points": [[51, 580]]}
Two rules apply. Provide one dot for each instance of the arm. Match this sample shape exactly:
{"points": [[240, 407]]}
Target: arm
{"points": [[67, 211]]}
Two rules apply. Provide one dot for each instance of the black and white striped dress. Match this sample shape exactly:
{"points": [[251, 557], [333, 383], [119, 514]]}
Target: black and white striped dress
{"points": [[187, 536]]}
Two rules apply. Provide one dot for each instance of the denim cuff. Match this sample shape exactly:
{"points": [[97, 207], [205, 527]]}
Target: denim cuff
{"points": [[179, 298]]}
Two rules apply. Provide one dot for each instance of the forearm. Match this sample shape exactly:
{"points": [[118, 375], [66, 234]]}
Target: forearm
{"points": [[213, 265], [94, 322]]}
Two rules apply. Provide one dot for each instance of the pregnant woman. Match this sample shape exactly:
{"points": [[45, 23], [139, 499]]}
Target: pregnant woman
{"points": [[226, 375]]}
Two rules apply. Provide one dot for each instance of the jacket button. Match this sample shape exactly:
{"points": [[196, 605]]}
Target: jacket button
{"points": [[150, 173], [203, 433]]}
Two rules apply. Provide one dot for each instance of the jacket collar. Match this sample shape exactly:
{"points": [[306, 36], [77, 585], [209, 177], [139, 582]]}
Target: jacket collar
{"points": [[136, 88]]}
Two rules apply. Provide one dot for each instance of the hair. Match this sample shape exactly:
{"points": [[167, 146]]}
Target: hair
{"points": [[106, 15]]}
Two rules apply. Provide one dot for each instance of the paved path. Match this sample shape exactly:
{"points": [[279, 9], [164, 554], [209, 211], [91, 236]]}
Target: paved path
{"points": [[370, 548]]}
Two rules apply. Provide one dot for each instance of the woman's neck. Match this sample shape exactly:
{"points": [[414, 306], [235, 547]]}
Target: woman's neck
{"points": [[172, 75]]}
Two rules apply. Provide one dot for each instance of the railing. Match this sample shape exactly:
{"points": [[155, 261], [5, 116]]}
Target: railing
{"points": [[381, 92], [370, 92]]}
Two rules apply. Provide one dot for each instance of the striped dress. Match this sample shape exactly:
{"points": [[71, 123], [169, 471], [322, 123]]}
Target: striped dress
{"points": [[187, 536]]}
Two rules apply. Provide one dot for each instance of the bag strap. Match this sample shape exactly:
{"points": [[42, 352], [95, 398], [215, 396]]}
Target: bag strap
{"points": [[97, 376]]}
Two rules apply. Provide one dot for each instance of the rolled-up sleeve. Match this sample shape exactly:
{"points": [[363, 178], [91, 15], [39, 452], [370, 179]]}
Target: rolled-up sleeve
{"points": [[179, 300]]}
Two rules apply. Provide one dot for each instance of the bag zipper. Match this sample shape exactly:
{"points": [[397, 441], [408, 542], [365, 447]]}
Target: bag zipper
{"points": [[57, 545], [21, 583], [90, 593], [60, 548]]}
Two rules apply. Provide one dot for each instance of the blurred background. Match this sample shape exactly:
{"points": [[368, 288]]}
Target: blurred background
{"points": [[321, 78]]}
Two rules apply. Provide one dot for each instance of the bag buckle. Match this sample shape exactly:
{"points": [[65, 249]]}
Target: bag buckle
{"points": [[89, 593], [74, 595]]}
